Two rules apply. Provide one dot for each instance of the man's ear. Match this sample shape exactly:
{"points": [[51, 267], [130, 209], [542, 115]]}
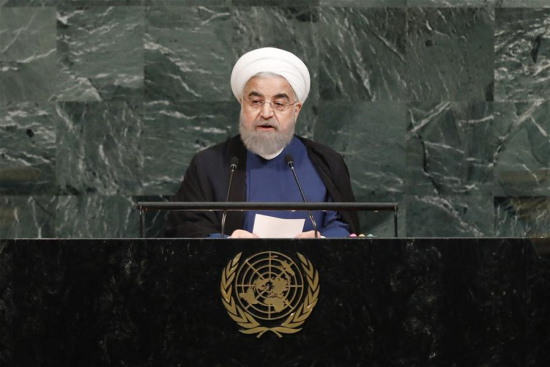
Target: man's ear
{"points": [[297, 108]]}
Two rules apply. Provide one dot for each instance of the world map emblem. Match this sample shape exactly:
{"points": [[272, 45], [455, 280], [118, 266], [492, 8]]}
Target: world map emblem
{"points": [[269, 292]]}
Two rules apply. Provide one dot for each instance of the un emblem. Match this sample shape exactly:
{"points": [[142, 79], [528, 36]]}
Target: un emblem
{"points": [[271, 288]]}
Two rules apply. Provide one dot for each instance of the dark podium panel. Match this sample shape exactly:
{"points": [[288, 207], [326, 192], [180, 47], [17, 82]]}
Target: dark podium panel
{"points": [[382, 302]]}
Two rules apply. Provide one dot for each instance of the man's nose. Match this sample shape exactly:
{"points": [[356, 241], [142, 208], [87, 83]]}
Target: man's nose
{"points": [[266, 110]]}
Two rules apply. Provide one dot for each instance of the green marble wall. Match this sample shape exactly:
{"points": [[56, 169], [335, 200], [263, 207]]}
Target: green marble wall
{"points": [[440, 105]]}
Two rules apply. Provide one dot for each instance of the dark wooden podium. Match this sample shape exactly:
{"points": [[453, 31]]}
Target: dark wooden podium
{"points": [[381, 302]]}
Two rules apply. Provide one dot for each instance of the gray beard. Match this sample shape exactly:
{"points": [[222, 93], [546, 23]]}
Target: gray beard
{"points": [[266, 143]]}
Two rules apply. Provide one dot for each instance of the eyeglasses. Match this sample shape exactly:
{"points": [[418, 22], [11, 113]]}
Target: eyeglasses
{"points": [[277, 107]]}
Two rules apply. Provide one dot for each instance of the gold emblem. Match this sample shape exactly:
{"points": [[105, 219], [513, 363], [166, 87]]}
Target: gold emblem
{"points": [[269, 287]]}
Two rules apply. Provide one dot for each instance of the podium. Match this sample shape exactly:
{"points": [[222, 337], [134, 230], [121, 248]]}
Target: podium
{"points": [[380, 302]]}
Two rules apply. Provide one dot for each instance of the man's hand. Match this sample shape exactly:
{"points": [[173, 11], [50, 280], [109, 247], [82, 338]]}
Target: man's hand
{"points": [[309, 234], [241, 233]]}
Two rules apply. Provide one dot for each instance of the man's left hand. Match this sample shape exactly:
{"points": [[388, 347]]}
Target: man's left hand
{"points": [[308, 234]]}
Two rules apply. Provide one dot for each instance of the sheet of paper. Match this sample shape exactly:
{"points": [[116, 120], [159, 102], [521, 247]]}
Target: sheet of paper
{"points": [[271, 227]]}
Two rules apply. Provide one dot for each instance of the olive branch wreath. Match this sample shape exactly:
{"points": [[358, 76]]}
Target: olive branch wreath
{"points": [[248, 322]]}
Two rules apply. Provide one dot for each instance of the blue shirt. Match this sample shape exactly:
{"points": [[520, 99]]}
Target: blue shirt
{"points": [[272, 181]]}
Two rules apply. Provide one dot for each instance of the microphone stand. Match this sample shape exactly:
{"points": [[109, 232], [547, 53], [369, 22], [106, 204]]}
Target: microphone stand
{"points": [[233, 167], [290, 162]]}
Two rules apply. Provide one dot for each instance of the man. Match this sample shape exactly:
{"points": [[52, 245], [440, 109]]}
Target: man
{"points": [[271, 86]]}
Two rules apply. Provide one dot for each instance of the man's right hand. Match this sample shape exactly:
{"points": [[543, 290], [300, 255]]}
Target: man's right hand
{"points": [[241, 233]]}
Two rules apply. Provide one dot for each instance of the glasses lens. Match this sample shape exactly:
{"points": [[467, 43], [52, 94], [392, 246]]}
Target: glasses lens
{"points": [[279, 107], [275, 106]]}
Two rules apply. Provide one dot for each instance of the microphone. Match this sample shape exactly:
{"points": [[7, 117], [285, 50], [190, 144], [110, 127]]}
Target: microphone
{"points": [[290, 161], [233, 163]]}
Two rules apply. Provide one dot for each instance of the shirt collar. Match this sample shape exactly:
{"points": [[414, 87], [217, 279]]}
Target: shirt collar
{"points": [[269, 157]]}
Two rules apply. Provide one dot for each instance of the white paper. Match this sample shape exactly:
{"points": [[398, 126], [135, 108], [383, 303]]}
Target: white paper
{"points": [[271, 227]]}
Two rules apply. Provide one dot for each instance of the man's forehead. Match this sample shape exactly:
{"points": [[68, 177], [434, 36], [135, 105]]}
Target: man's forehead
{"points": [[276, 84]]}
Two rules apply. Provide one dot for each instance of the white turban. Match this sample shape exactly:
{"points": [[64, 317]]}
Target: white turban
{"points": [[272, 60]]}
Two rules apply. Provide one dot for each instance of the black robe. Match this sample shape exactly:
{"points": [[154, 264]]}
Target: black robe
{"points": [[207, 179]]}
